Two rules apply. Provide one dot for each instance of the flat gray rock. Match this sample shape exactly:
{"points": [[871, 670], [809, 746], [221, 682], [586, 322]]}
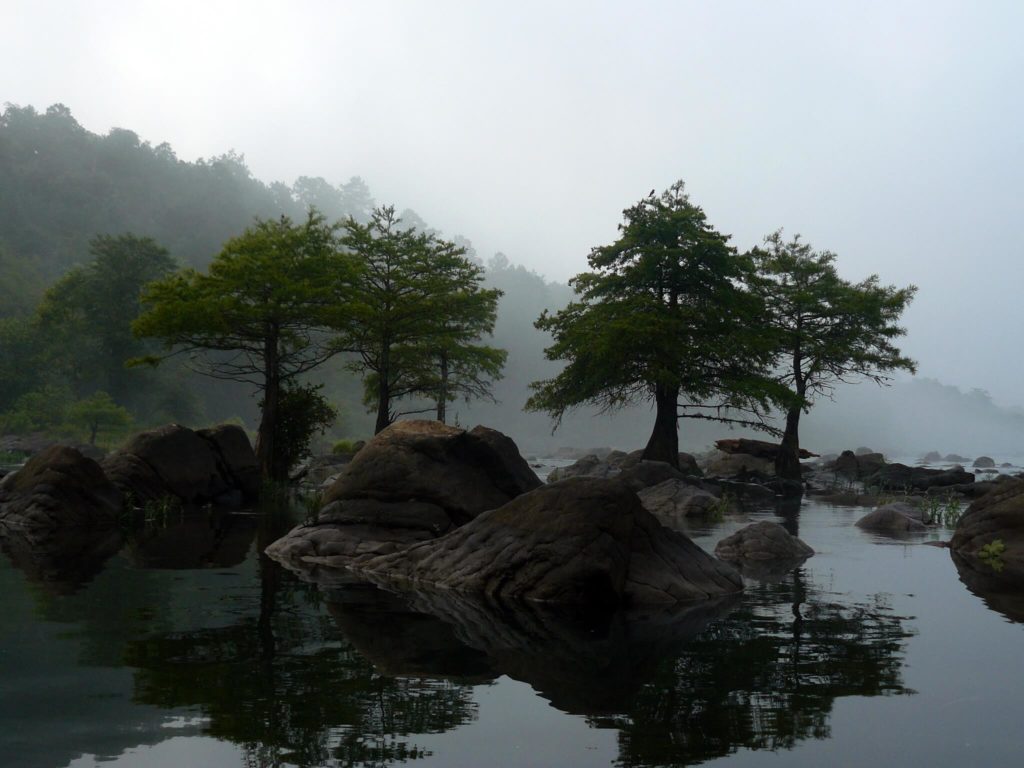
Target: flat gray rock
{"points": [[762, 541]]}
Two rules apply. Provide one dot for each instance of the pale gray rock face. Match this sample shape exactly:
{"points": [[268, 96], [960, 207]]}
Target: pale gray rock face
{"points": [[673, 500], [58, 488], [582, 541], [762, 541], [893, 518]]}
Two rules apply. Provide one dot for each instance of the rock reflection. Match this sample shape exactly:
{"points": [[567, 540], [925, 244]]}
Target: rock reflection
{"points": [[62, 561], [583, 663], [764, 677], [1000, 588]]}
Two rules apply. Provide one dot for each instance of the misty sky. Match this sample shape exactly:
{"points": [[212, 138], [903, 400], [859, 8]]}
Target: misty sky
{"points": [[889, 133]]}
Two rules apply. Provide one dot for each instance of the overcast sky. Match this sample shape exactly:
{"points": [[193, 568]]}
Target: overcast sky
{"points": [[890, 133]]}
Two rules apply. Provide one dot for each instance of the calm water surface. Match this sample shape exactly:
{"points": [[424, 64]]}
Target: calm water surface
{"points": [[185, 647]]}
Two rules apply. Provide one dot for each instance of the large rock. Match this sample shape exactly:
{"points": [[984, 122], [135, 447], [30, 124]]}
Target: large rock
{"points": [[997, 516], [857, 465], [897, 517], [673, 499], [462, 472], [213, 465], [58, 488], [761, 449], [633, 465], [731, 464], [582, 541], [900, 477], [414, 481], [762, 541], [984, 462]]}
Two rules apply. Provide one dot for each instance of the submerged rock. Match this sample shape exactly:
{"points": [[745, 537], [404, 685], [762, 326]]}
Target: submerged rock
{"points": [[582, 541], [898, 517], [762, 541], [58, 488]]}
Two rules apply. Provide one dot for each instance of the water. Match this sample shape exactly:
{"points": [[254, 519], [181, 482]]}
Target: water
{"points": [[185, 647]]}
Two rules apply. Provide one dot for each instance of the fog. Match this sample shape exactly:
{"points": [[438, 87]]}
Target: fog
{"points": [[890, 134]]}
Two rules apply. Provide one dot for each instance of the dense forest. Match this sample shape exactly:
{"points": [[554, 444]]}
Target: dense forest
{"points": [[65, 191], [70, 201]]}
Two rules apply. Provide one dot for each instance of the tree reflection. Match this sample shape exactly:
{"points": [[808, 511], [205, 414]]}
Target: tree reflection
{"points": [[765, 677], [280, 684]]}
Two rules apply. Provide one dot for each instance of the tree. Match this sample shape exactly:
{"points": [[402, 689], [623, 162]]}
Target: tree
{"points": [[828, 329], [85, 318], [261, 315], [419, 311], [665, 314], [98, 412]]}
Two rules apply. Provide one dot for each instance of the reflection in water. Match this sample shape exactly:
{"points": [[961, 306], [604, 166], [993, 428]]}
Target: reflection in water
{"points": [[61, 561], [350, 674], [765, 677], [1000, 588]]}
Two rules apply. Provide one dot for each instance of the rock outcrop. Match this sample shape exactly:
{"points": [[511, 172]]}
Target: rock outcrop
{"points": [[992, 530], [58, 488], [900, 477], [762, 541], [582, 541], [673, 500], [761, 449], [213, 465], [414, 481], [984, 462], [617, 463]]}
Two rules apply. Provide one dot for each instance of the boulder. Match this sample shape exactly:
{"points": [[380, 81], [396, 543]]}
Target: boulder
{"points": [[931, 457], [862, 451], [857, 466], [582, 541], [955, 458], [762, 541], [58, 488], [213, 465], [673, 499], [762, 449], [462, 472], [997, 516], [645, 474], [730, 464], [618, 462], [351, 530], [414, 481], [984, 462], [898, 517], [900, 477]]}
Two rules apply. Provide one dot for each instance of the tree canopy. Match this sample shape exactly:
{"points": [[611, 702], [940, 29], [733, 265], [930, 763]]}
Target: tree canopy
{"points": [[828, 329], [419, 312], [665, 315], [263, 314]]}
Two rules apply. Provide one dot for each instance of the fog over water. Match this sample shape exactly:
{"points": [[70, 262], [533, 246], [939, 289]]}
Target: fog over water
{"points": [[888, 133]]}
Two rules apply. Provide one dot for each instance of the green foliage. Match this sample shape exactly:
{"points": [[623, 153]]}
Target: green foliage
{"points": [[98, 412], [21, 368], [261, 315], [943, 511], [419, 312], [302, 412], [992, 554], [664, 314], [344, 446], [44, 410], [828, 330]]}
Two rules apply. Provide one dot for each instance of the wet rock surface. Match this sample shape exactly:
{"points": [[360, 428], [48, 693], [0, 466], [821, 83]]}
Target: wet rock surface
{"points": [[673, 499], [898, 517], [761, 541], [58, 488], [582, 541], [992, 530]]}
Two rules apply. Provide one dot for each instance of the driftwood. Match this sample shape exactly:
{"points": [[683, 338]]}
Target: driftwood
{"points": [[759, 448]]}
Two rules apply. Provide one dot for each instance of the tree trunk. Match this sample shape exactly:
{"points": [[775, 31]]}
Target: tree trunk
{"points": [[787, 460], [442, 391], [266, 448], [384, 389], [664, 442]]}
